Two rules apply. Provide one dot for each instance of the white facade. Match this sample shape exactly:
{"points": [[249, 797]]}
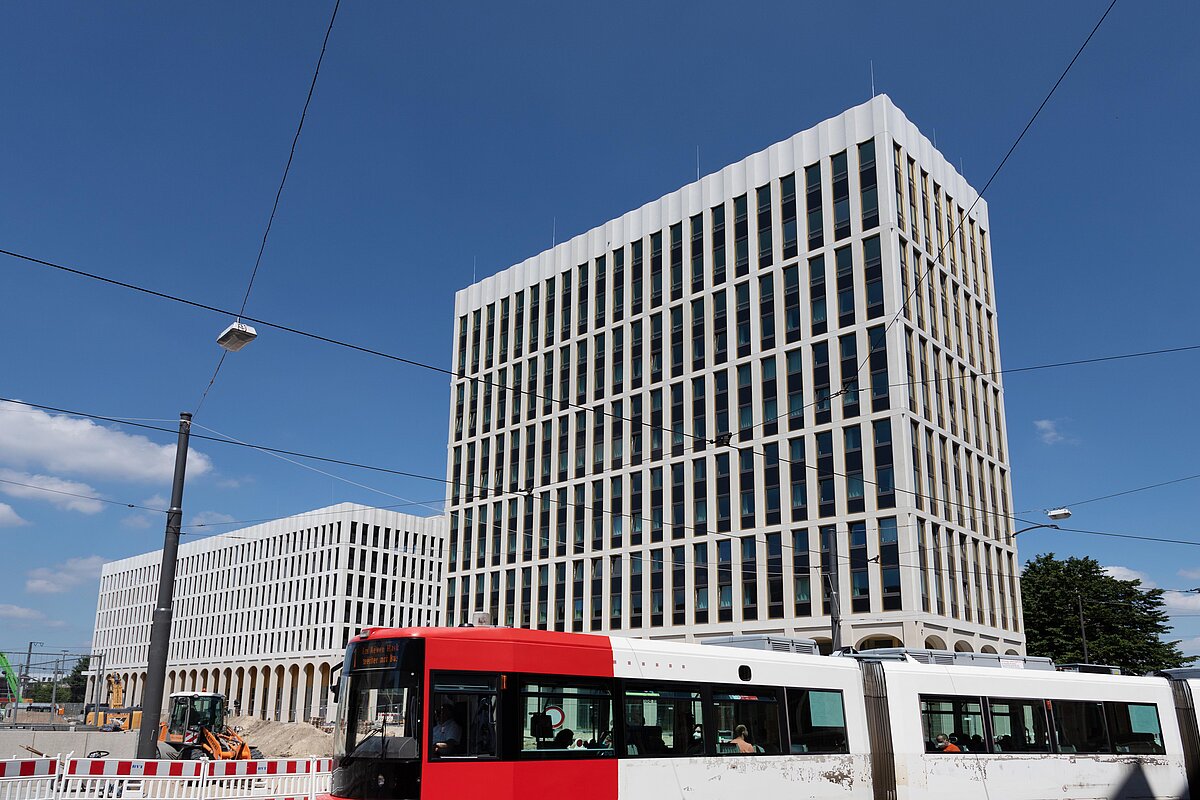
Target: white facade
{"points": [[602, 495], [263, 614]]}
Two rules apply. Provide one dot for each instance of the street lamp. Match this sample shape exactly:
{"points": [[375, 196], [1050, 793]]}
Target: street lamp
{"points": [[1057, 514], [232, 339]]}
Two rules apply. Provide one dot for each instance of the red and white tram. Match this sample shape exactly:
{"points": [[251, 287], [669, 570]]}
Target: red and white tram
{"points": [[513, 714]]}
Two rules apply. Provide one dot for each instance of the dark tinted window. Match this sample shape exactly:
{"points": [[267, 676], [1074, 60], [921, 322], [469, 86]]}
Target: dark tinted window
{"points": [[1019, 726], [1080, 727], [463, 717], [564, 719], [1135, 728], [663, 721], [816, 721], [960, 719], [747, 721]]}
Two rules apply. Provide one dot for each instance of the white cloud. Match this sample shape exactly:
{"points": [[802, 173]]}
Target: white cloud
{"points": [[1190, 647], [10, 518], [20, 614], [136, 522], [56, 491], [1047, 430], [65, 576], [1181, 601], [60, 443], [1127, 574], [1190, 574], [209, 518]]}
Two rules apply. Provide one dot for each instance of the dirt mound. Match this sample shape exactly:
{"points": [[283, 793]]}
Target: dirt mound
{"points": [[284, 739]]}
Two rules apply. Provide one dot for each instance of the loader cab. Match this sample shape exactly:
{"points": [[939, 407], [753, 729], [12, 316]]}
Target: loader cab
{"points": [[191, 711]]}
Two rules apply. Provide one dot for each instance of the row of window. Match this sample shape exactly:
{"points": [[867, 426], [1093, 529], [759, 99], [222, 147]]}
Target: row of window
{"points": [[592, 290], [488, 716], [775, 576], [939, 307], [967, 249], [646, 269], [1007, 725], [759, 314], [673, 502], [755, 398]]}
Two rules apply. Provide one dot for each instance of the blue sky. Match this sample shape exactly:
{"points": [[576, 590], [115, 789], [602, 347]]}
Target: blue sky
{"points": [[146, 141]]}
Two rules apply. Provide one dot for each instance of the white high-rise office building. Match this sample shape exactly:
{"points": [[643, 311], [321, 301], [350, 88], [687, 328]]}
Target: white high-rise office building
{"points": [[263, 614], [714, 400]]}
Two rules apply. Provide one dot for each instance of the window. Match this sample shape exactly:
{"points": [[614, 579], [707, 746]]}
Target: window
{"points": [[1135, 728], [1019, 726], [816, 721], [662, 721], [958, 718], [565, 720], [464, 715], [747, 721], [1080, 727]]}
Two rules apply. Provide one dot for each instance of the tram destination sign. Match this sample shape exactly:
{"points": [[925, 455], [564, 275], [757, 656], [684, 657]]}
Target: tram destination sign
{"points": [[378, 654]]}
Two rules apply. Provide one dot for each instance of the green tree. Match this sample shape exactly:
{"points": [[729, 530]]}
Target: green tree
{"points": [[77, 680], [1125, 623]]}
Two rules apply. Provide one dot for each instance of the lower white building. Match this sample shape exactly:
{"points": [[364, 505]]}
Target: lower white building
{"points": [[263, 614]]}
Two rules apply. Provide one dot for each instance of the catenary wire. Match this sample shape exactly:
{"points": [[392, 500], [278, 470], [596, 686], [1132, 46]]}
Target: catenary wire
{"points": [[278, 193], [882, 338], [729, 535], [314, 469], [446, 481], [80, 496], [545, 494], [966, 216], [546, 399]]}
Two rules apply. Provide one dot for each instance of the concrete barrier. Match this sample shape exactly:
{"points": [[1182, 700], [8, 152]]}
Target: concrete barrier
{"points": [[118, 745]]}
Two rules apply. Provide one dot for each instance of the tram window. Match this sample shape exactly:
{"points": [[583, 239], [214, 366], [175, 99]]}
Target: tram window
{"points": [[663, 721], [1134, 728], [816, 721], [755, 710], [959, 718], [1080, 727], [463, 719], [1019, 726], [565, 719]]}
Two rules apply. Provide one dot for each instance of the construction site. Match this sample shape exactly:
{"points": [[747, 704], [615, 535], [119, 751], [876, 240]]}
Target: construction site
{"points": [[196, 726]]}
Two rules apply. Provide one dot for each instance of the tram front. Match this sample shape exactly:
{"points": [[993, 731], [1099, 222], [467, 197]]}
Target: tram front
{"points": [[377, 747]]}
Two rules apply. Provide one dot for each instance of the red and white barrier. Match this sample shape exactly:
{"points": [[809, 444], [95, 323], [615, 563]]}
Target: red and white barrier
{"points": [[290, 779], [87, 778], [137, 779], [28, 778]]}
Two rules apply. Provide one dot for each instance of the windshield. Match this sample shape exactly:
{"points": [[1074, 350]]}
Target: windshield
{"points": [[379, 708], [209, 712]]}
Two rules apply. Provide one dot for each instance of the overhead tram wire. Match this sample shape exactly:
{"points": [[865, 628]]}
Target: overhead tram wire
{"points": [[314, 469], [527, 492], [561, 403], [278, 193], [667, 524], [965, 217], [81, 496], [873, 345]]}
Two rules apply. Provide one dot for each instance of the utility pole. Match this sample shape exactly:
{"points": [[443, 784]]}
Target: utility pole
{"points": [[835, 613], [54, 685], [831, 589], [98, 661], [1082, 631], [160, 627], [24, 677]]}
